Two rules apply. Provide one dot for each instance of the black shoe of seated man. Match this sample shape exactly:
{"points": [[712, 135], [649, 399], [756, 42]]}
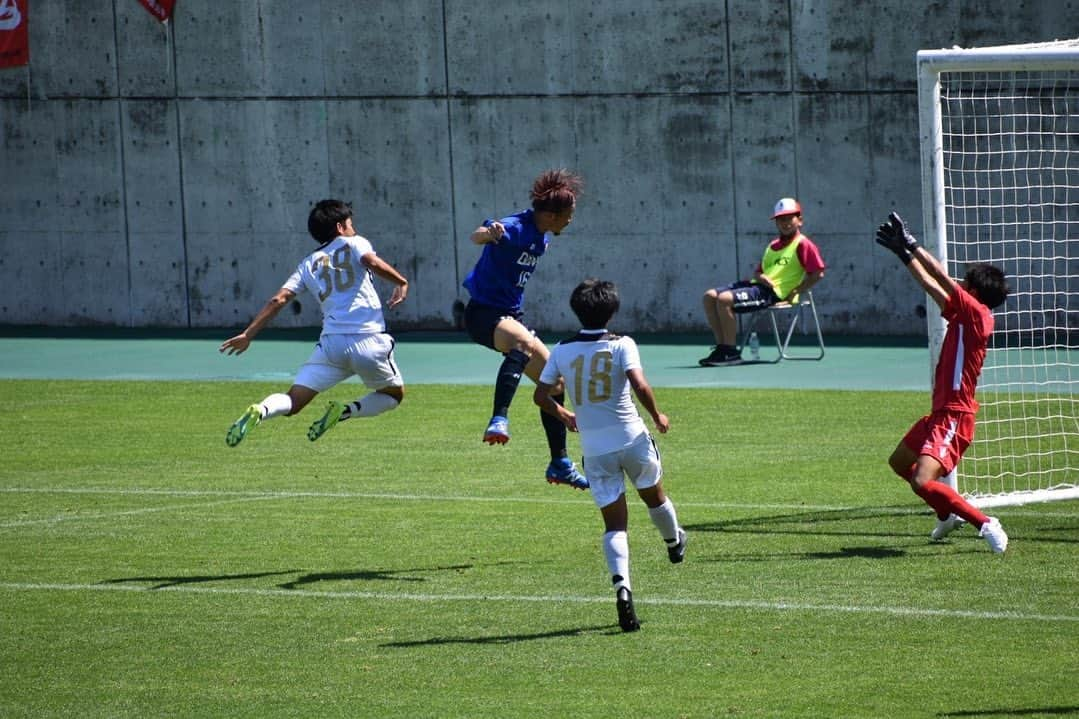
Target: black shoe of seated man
{"points": [[720, 357], [627, 618]]}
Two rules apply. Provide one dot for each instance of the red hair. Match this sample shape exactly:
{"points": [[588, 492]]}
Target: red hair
{"points": [[556, 190]]}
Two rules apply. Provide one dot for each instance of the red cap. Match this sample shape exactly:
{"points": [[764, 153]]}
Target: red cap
{"points": [[787, 206]]}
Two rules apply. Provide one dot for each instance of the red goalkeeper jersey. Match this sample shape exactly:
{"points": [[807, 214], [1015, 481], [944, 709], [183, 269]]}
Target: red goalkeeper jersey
{"points": [[969, 325]]}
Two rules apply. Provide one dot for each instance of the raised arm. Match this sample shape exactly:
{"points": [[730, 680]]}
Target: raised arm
{"points": [[931, 276], [925, 268], [487, 234]]}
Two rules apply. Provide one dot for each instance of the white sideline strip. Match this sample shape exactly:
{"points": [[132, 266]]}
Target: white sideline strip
{"points": [[126, 513], [394, 597], [573, 499]]}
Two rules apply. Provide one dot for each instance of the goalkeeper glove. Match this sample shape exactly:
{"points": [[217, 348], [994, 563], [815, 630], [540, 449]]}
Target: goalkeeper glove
{"points": [[901, 229], [894, 236]]}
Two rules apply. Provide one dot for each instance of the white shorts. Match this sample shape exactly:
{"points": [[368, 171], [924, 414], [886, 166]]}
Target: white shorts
{"points": [[338, 357], [607, 472]]}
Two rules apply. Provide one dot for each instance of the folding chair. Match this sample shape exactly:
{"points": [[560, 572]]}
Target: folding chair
{"points": [[797, 314]]}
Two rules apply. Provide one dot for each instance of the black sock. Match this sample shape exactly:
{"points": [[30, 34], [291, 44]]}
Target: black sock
{"points": [[509, 376], [555, 430]]}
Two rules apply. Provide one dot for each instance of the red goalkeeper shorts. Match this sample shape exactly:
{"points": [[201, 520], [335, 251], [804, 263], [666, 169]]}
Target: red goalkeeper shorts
{"points": [[943, 435]]}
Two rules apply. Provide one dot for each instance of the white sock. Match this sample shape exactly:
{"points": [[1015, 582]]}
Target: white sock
{"points": [[276, 405], [666, 521], [373, 404], [616, 550], [951, 480]]}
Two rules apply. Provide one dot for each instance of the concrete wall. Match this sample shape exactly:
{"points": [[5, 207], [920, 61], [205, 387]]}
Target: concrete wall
{"points": [[160, 175]]}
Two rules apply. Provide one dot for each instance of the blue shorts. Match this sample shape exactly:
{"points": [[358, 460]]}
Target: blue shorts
{"points": [[481, 320], [749, 296]]}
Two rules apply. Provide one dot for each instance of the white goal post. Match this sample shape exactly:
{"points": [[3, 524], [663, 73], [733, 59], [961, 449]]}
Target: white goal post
{"points": [[999, 131]]}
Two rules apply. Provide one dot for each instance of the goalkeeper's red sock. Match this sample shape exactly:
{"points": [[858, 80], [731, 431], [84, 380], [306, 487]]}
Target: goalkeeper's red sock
{"points": [[944, 500]]}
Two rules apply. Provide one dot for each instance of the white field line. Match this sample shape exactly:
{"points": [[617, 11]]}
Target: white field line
{"points": [[572, 499], [916, 612], [126, 513]]}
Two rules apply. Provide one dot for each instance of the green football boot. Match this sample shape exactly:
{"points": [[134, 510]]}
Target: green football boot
{"points": [[325, 423], [239, 429]]}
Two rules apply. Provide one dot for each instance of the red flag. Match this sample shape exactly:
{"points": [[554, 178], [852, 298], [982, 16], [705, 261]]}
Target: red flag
{"points": [[161, 9], [14, 38]]}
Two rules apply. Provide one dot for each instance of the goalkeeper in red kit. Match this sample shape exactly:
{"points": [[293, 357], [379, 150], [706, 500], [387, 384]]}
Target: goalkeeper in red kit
{"points": [[933, 446]]}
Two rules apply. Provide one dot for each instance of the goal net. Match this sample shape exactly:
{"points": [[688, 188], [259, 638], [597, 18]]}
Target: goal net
{"points": [[1000, 184]]}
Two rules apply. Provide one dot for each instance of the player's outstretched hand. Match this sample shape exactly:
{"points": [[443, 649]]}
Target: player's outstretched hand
{"points": [[887, 237], [892, 235], [496, 230], [901, 229], [235, 345], [400, 292]]}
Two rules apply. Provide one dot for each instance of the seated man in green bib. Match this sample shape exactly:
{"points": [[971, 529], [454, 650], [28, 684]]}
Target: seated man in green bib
{"points": [[791, 264]]}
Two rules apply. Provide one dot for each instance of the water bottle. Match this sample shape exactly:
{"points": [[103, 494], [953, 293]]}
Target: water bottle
{"points": [[754, 346]]}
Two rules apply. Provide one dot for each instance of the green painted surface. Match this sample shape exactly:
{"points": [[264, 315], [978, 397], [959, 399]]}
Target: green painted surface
{"points": [[435, 358]]}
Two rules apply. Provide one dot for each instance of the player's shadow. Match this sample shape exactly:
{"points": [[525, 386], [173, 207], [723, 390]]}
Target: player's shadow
{"points": [[824, 523], [841, 553], [362, 575], [1030, 711], [815, 522], [370, 575], [1073, 539], [504, 638], [161, 582], [857, 553], [718, 369]]}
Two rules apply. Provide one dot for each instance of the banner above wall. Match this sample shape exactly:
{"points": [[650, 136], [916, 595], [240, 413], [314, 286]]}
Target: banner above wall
{"points": [[14, 38], [161, 9]]}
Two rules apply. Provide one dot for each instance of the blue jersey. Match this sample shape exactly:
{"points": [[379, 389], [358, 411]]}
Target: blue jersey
{"points": [[500, 275]]}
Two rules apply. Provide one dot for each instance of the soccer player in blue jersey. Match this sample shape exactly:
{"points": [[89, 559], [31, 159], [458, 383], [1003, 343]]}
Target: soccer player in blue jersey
{"points": [[494, 318]]}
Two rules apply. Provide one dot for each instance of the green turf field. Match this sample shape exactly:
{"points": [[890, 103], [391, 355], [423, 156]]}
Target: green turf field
{"points": [[400, 568]]}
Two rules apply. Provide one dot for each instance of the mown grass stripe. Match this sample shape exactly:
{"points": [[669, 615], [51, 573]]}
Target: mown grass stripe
{"points": [[573, 499]]}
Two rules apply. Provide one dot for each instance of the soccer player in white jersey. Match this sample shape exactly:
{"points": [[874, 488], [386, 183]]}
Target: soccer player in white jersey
{"points": [[354, 339], [599, 369]]}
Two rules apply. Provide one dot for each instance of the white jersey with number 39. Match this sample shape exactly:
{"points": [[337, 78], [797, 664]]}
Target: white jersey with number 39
{"points": [[336, 276], [594, 365]]}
